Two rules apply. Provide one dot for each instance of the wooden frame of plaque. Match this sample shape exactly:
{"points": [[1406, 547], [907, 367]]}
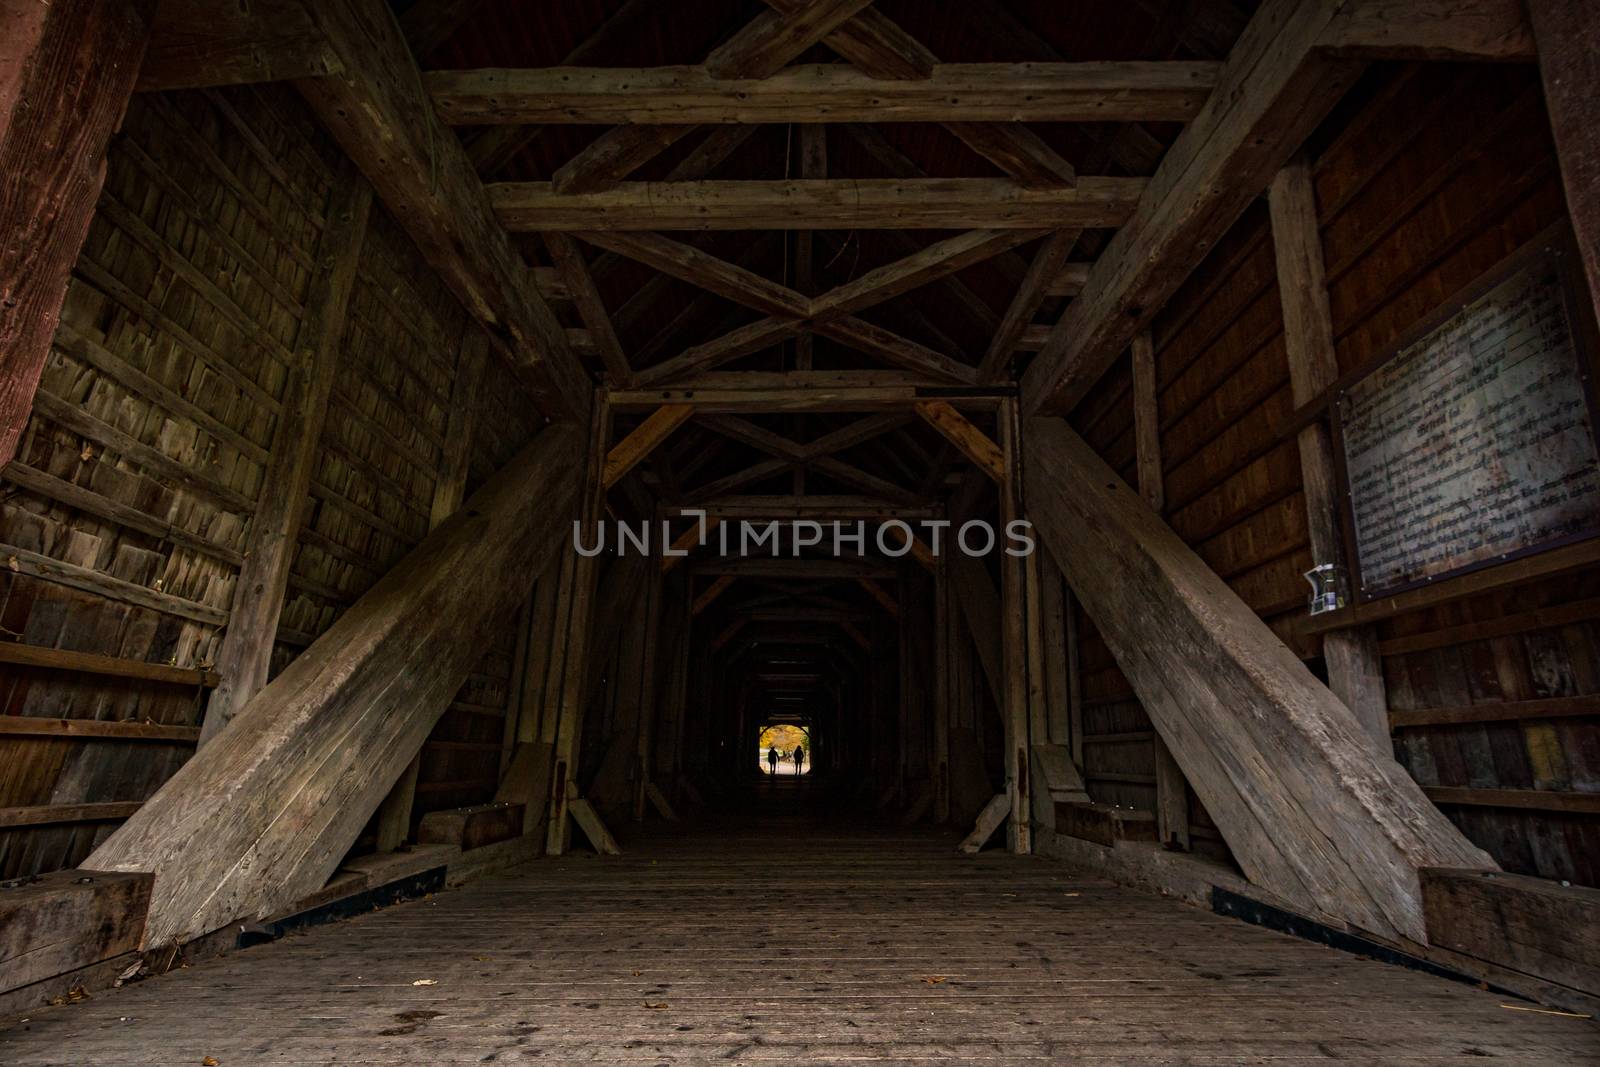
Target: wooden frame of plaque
{"points": [[1555, 249]]}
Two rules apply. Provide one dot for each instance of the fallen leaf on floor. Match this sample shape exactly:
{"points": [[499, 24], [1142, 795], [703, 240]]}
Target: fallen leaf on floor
{"points": [[637, 973], [426, 981], [933, 979], [210, 1061], [655, 1007], [1546, 1011], [481, 959]]}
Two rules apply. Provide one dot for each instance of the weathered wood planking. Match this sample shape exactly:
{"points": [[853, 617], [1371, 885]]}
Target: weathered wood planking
{"points": [[211, 208], [265, 813], [1310, 810], [676, 944], [246, 653]]}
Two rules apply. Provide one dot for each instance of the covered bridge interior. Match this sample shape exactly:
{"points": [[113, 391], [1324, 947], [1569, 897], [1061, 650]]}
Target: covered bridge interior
{"points": [[449, 446]]}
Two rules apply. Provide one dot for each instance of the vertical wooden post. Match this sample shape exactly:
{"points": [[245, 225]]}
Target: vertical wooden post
{"points": [[1172, 791], [67, 69], [1057, 656], [514, 688], [1069, 626], [647, 687], [449, 489], [574, 668], [258, 595], [1013, 600], [942, 702], [1355, 670], [1569, 62]]}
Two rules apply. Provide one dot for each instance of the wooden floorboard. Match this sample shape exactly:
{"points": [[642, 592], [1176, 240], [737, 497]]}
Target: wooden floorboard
{"points": [[795, 942]]}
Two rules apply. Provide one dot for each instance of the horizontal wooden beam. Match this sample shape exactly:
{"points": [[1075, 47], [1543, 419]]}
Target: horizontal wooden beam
{"points": [[58, 814], [724, 392], [820, 204], [63, 659], [1525, 799], [1481, 30], [964, 92], [95, 729], [800, 567], [842, 507]]}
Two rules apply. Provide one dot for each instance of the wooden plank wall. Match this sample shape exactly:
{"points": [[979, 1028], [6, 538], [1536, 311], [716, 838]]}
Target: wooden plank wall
{"points": [[122, 520], [138, 472], [461, 762], [1426, 178]]}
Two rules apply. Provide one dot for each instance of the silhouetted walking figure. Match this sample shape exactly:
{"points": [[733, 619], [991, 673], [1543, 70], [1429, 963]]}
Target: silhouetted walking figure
{"points": [[772, 761], [799, 758]]}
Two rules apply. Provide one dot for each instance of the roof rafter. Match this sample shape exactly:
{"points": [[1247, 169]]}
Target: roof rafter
{"points": [[763, 47]]}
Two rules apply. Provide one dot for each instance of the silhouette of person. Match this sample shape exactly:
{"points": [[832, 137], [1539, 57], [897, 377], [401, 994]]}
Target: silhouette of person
{"points": [[772, 761], [799, 757]]}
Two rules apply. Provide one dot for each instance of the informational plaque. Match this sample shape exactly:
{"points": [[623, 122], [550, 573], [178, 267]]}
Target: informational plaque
{"points": [[1474, 442]]}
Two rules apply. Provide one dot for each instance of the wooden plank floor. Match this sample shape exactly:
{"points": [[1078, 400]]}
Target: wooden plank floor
{"points": [[795, 942]]}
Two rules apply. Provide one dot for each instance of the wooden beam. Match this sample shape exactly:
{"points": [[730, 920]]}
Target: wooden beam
{"points": [[1274, 89], [1355, 669], [813, 506], [879, 47], [1014, 630], [1172, 792], [571, 676], [1533, 925], [96, 729], [495, 146], [889, 392], [1569, 64], [1411, 30], [264, 813], [1171, 91], [798, 567], [830, 314], [827, 204], [631, 450], [61, 921], [378, 112], [449, 488], [959, 431], [1310, 809], [591, 309], [247, 643], [1042, 272], [67, 70], [64, 659], [763, 47]]}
